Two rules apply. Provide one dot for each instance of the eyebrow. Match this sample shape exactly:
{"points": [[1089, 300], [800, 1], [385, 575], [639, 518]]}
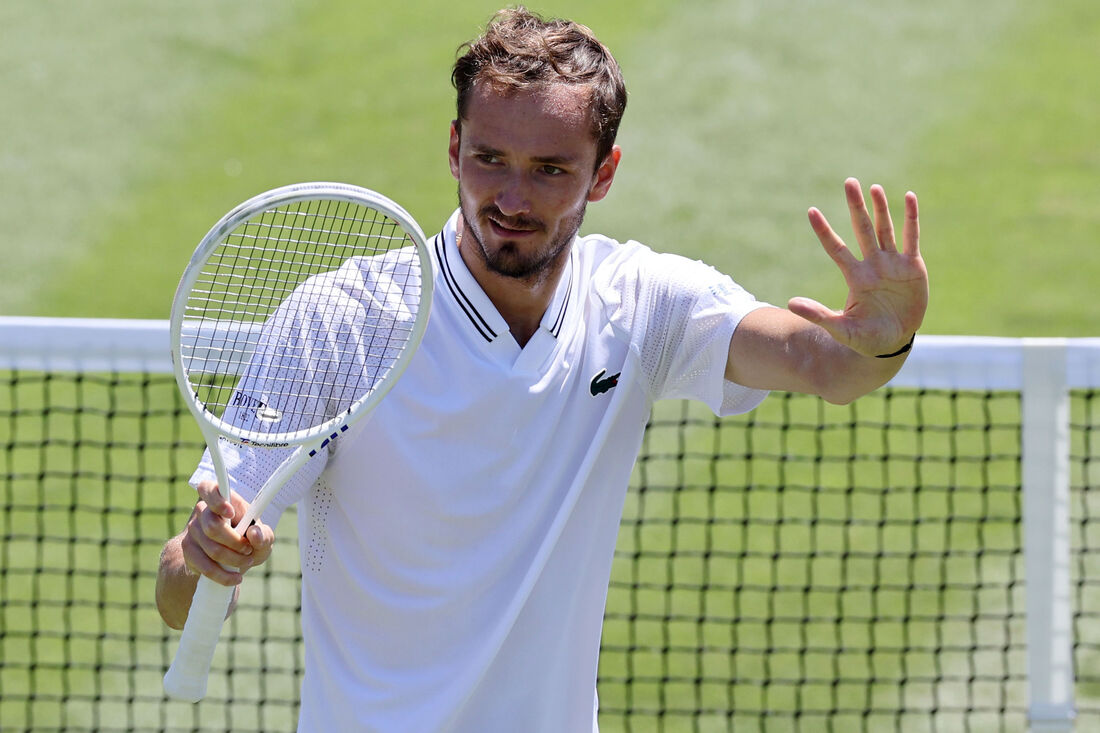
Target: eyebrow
{"points": [[544, 159]]}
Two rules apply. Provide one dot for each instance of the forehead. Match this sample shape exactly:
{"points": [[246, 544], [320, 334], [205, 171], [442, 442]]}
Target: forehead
{"points": [[547, 115]]}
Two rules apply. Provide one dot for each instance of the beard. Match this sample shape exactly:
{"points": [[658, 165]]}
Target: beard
{"points": [[510, 259]]}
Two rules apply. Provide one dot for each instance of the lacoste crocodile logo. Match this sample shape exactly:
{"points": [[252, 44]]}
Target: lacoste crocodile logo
{"points": [[600, 385]]}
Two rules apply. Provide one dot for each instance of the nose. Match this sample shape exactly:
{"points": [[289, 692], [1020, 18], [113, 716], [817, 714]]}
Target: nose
{"points": [[513, 198]]}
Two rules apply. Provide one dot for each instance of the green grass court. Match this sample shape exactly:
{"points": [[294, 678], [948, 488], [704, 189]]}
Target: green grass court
{"points": [[129, 128]]}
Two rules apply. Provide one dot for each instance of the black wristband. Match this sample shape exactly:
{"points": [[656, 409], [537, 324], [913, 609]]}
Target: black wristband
{"points": [[900, 351]]}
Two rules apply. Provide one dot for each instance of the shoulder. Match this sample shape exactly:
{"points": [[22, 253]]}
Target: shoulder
{"points": [[610, 263], [631, 269], [639, 289], [386, 282]]}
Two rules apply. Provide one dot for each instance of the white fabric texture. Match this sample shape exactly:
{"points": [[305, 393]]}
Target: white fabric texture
{"points": [[322, 352], [457, 545]]}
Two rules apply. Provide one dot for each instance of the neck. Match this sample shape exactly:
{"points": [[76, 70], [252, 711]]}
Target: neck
{"points": [[521, 302]]}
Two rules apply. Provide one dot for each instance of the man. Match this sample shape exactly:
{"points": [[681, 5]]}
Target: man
{"points": [[456, 548]]}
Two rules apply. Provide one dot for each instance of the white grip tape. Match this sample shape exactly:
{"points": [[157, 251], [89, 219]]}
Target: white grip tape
{"points": [[186, 678]]}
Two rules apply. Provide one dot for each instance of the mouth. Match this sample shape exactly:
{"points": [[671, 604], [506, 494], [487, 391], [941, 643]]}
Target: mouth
{"points": [[511, 229]]}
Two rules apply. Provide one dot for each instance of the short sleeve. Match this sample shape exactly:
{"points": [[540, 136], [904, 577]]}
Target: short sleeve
{"points": [[680, 315]]}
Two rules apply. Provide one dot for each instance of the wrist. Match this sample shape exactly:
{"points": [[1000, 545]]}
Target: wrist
{"points": [[902, 350]]}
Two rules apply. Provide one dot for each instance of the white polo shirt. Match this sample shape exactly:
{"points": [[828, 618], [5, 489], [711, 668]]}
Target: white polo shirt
{"points": [[456, 550]]}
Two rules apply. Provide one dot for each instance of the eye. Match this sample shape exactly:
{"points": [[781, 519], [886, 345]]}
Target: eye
{"points": [[488, 158], [552, 170]]}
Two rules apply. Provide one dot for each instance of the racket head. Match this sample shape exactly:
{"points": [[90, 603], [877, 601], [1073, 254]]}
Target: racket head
{"points": [[282, 246]]}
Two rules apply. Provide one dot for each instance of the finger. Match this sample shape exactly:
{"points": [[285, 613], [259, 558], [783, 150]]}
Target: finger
{"points": [[215, 532], [231, 558], [261, 538], [832, 243], [212, 532], [910, 232], [240, 507], [204, 565], [884, 225], [862, 225], [220, 566], [212, 496]]}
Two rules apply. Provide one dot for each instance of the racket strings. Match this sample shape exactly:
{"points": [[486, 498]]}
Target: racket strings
{"points": [[315, 365]]}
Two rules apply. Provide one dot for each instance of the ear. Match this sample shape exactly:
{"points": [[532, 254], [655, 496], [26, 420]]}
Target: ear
{"points": [[452, 149], [605, 174]]}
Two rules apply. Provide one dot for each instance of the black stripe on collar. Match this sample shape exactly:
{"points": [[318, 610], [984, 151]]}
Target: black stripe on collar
{"points": [[560, 321], [460, 297]]}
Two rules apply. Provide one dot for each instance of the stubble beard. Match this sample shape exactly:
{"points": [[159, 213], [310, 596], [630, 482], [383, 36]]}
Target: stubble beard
{"points": [[509, 259]]}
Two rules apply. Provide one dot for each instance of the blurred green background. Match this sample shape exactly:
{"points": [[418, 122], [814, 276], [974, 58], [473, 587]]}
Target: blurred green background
{"points": [[127, 128]]}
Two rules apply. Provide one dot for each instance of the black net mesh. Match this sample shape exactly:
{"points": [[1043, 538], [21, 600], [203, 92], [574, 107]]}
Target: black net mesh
{"points": [[801, 568]]}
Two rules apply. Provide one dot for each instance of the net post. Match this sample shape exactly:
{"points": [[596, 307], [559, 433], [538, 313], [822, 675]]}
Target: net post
{"points": [[1045, 476]]}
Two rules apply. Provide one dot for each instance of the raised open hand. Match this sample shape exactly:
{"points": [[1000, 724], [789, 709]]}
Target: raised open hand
{"points": [[887, 289]]}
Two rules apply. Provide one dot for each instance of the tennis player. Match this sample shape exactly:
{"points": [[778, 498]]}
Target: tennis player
{"points": [[456, 547]]}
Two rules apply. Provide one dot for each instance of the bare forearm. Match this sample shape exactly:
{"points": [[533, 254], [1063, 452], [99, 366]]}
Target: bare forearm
{"points": [[774, 349], [176, 585], [210, 546], [840, 375]]}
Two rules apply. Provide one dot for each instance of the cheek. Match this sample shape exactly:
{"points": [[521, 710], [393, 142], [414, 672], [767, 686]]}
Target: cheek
{"points": [[561, 199], [569, 204], [474, 183]]}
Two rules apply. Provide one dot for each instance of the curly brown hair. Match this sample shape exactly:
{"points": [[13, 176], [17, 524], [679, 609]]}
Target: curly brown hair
{"points": [[522, 51]]}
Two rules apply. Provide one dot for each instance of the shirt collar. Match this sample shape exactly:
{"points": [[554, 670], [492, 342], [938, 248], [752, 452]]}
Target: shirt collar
{"points": [[475, 304]]}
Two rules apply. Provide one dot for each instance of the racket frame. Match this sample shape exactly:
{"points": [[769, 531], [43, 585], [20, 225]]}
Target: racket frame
{"points": [[214, 428], [187, 677]]}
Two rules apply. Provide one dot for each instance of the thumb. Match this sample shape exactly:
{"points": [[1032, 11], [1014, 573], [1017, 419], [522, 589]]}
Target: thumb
{"points": [[812, 311], [261, 537], [832, 321]]}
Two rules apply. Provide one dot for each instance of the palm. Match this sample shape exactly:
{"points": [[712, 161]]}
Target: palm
{"points": [[887, 288]]}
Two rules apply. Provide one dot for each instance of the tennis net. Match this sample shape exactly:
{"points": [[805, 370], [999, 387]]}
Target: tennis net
{"points": [[924, 559]]}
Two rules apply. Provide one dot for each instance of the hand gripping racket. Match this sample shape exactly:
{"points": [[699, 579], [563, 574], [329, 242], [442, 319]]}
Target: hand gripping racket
{"points": [[297, 313]]}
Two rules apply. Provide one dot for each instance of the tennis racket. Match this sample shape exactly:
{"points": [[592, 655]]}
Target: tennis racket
{"points": [[297, 313]]}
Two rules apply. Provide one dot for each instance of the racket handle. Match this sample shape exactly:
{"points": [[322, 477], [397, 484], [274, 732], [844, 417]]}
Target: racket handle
{"points": [[186, 678]]}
